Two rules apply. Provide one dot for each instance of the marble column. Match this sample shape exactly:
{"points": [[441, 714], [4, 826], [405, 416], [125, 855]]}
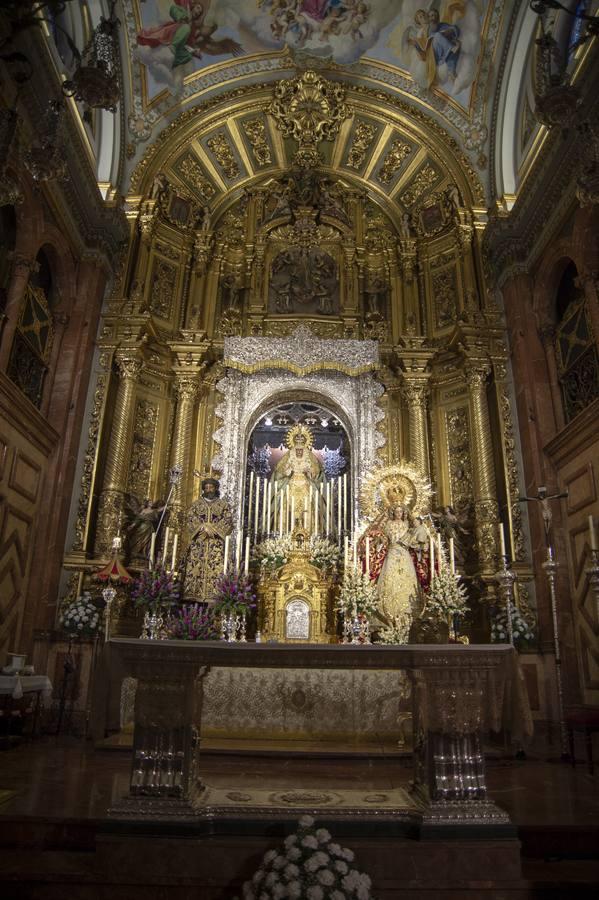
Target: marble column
{"points": [[110, 509], [415, 392], [186, 390], [22, 267], [485, 488]]}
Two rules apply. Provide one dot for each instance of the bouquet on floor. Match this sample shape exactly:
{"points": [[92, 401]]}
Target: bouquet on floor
{"points": [[155, 588], [191, 622], [80, 617], [309, 866]]}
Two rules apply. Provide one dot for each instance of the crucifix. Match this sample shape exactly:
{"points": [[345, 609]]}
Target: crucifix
{"points": [[550, 566]]}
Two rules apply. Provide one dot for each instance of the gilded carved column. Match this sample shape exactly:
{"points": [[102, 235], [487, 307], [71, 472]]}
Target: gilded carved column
{"points": [[485, 489], [415, 392], [186, 391], [119, 450]]}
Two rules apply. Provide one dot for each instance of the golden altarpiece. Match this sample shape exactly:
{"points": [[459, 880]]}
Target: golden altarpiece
{"points": [[306, 246]]}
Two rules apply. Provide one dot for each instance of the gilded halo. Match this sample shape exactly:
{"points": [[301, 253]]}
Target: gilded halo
{"points": [[299, 430], [408, 484]]}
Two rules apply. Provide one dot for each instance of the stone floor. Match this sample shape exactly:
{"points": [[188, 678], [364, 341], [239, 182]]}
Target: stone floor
{"points": [[55, 793]]}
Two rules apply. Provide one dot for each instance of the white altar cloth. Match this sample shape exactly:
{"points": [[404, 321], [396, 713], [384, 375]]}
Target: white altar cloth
{"points": [[17, 685]]}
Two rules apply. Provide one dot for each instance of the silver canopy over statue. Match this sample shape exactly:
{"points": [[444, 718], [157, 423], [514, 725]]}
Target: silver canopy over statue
{"points": [[394, 500]]}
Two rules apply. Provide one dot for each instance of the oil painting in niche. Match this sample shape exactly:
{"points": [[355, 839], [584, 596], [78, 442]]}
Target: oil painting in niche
{"points": [[303, 280]]}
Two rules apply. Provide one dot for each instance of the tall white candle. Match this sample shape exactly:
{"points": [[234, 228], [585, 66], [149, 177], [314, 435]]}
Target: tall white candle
{"points": [[310, 506], [238, 552], [167, 535], [316, 510], [281, 498], [439, 549], [345, 501], [501, 540], [451, 555], [286, 506], [368, 555], [174, 556], [346, 552], [226, 559], [355, 552], [257, 508], [292, 517], [592, 533], [265, 487], [431, 553], [339, 508], [268, 510], [152, 548], [328, 508], [250, 499], [247, 555]]}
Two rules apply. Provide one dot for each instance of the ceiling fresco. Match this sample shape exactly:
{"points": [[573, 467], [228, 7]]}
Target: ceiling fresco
{"points": [[436, 44]]}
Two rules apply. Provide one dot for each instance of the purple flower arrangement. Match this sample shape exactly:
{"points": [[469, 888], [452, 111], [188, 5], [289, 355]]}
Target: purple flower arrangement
{"points": [[192, 623], [234, 595], [154, 587]]}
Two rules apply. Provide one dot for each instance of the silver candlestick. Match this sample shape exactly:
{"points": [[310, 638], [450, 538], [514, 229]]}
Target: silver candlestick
{"points": [[109, 594], [593, 573], [550, 566], [506, 578]]}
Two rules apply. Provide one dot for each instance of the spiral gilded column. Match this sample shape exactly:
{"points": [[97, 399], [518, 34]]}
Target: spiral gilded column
{"points": [[119, 450], [415, 393], [186, 390], [485, 487]]}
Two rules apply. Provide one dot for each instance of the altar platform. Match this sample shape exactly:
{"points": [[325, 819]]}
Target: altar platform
{"points": [[55, 829]]}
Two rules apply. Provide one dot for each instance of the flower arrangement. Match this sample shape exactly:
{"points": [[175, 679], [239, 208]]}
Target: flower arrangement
{"points": [[191, 622], [358, 595], [155, 587], [323, 554], [310, 866], [273, 553], [522, 630], [394, 633], [80, 617], [445, 598], [234, 595]]}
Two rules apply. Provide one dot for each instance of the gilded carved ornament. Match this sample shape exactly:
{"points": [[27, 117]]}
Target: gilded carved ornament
{"points": [[128, 367], [309, 109]]}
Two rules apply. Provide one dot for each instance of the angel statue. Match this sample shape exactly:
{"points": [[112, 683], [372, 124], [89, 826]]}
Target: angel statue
{"points": [[141, 519], [395, 498]]}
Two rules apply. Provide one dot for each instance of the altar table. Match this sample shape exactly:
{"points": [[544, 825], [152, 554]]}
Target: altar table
{"points": [[459, 692]]}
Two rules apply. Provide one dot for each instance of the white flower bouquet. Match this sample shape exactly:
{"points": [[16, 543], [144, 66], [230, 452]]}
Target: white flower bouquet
{"points": [[522, 630], [445, 598], [80, 617], [323, 554], [310, 866], [358, 595], [273, 553]]}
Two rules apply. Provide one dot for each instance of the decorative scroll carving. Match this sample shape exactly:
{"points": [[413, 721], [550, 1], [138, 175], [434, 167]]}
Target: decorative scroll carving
{"points": [[142, 450], [460, 460], [424, 179], [362, 140], [512, 473], [255, 130], [189, 169], [220, 146], [393, 160], [301, 353], [164, 280]]}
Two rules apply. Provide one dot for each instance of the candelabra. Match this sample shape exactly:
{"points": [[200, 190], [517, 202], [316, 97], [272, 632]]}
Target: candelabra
{"points": [[550, 567]]}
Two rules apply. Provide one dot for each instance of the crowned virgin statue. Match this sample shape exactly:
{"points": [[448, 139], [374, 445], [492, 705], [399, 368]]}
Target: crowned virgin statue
{"points": [[395, 496], [297, 479]]}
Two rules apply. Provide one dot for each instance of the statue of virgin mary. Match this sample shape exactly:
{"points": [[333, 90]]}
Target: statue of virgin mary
{"points": [[297, 478]]}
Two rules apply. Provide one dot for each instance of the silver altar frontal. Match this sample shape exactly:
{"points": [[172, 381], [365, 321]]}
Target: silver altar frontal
{"points": [[459, 693]]}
